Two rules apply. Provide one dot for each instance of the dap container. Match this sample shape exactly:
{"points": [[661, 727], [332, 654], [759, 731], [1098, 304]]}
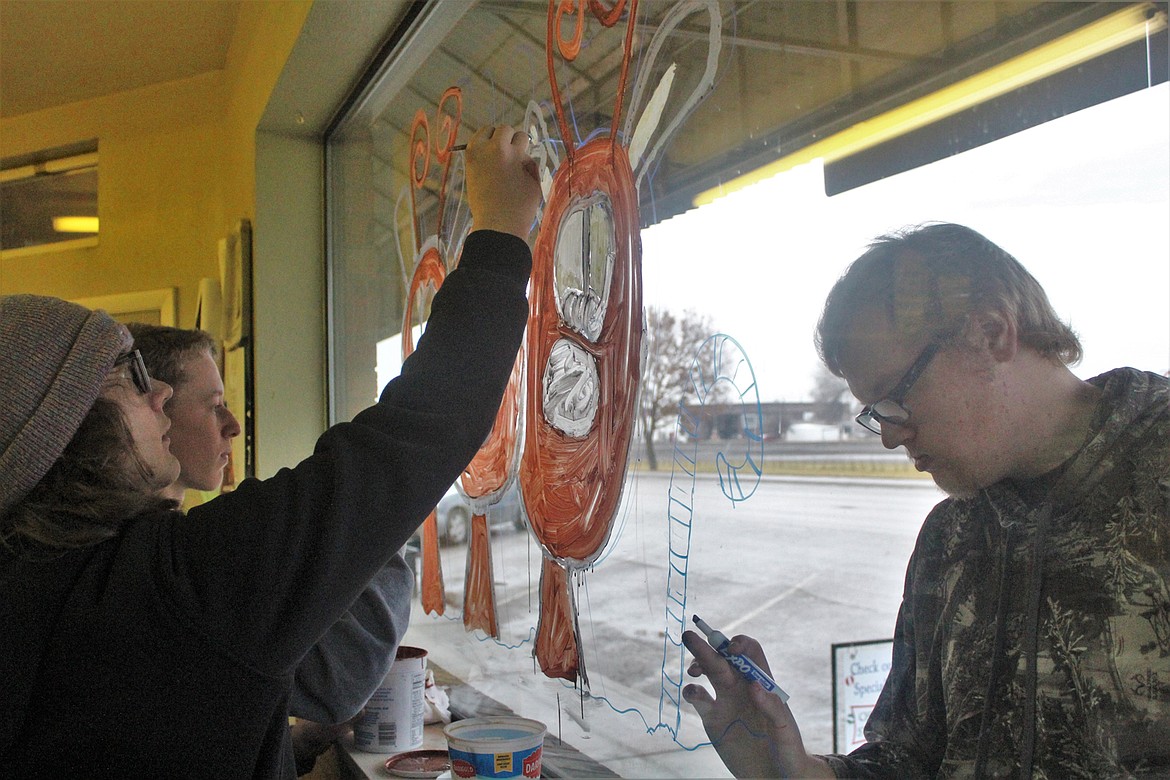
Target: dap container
{"points": [[494, 747]]}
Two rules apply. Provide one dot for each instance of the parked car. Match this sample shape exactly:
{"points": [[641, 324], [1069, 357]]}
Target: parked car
{"points": [[453, 514], [453, 520]]}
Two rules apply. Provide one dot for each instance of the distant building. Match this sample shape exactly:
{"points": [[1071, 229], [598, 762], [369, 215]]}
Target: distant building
{"points": [[726, 421]]}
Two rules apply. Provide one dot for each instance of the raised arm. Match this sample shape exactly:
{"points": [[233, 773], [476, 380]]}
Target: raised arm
{"points": [[341, 672], [328, 525]]}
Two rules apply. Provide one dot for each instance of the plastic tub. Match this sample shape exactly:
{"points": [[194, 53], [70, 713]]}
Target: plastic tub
{"points": [[496, 746]]}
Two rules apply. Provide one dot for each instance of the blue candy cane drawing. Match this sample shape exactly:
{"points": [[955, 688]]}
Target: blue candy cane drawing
{"points": [[720, 359]]}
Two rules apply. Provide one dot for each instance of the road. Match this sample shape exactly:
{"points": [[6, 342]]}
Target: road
{"points": [[801, 564]]}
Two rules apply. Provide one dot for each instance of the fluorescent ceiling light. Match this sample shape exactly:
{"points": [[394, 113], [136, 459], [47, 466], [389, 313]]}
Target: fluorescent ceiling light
{"points": [[1100, 37], [75, 164], [75, 224]]}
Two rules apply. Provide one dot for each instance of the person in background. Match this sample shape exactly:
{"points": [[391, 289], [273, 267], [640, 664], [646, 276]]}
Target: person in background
{"points": [[338, 676], [1034, 633], [202, 427], [138, 642]]}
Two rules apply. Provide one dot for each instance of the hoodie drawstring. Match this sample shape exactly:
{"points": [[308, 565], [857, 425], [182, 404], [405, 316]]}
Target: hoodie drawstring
{"points": [[1030, 649], [1032, 641], [996, 655]]}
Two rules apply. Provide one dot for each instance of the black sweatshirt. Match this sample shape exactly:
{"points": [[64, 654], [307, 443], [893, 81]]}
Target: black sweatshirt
{"points": [[169, 650]]}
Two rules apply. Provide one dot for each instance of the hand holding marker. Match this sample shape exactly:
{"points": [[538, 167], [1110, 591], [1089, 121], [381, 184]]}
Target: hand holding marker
{"points": [[742, 664], [463, 148]]}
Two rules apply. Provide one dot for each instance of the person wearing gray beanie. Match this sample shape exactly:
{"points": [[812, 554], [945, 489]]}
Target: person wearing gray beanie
{"points": [[54, 358], [136, 642], [82, 431]]}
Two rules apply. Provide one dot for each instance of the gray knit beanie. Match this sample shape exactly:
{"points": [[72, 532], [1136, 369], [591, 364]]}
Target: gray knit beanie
{"points": [[54, 358]]}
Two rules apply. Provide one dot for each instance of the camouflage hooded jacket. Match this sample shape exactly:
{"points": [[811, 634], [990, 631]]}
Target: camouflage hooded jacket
{"points": [[1033, 638]]}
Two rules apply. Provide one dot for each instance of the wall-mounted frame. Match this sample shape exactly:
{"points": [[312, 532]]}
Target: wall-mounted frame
{"points": [[235, 273], [235, 278], [156, 307]]}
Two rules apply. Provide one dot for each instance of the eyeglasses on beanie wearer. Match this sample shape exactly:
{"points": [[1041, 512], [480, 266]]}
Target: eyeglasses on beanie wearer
{"points": [[54, 358]]}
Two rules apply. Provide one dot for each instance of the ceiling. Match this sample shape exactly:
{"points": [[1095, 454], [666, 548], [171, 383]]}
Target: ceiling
{"points": [[790, 73], [55, 53]]}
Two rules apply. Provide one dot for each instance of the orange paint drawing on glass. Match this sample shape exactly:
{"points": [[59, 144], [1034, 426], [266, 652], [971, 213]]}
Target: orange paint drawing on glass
{"points": [[433, 254], [493, 469], [566, 423], [585, 328], [484, 481]]}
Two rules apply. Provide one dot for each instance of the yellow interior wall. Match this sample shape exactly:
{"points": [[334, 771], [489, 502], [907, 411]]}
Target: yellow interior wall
{"points": [[264, 38], [177, 171], [160, 191]]}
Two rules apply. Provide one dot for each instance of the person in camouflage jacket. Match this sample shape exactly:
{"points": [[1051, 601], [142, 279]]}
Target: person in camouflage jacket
{"points": [[1034, 634], [1096, 700]]}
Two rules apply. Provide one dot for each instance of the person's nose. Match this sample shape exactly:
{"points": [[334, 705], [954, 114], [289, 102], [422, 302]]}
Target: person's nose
{"points": [[160, 393], [894, 435], [231, 428]]}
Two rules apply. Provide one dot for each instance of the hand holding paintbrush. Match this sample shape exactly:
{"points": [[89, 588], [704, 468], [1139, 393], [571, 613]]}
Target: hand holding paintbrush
{"points": [[503, 186]]}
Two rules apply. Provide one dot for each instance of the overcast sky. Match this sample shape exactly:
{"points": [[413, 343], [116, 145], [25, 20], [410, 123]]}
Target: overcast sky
{"points": [[1083, 202]]}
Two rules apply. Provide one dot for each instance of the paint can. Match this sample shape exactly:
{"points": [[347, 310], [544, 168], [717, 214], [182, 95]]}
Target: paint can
{"points": [[392, 720], [494, 747]]}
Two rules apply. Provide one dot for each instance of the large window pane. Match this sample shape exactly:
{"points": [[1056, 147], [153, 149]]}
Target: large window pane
{"points": [[812, 552]]}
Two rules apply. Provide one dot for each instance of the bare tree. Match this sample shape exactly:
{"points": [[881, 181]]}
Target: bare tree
{"points": [[672, 342], [831, 396]]}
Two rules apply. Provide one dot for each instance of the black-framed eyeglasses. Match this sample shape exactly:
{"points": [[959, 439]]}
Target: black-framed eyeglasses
{"points": [[890, 409], [138, 371]]}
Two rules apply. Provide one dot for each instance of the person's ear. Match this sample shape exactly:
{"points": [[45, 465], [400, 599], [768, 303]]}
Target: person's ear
{"points": [[995, 332]]}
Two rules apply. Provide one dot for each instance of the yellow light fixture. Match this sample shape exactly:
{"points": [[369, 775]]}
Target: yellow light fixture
{"points": [[78, 163], [1100, 37], [75, 224]]}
